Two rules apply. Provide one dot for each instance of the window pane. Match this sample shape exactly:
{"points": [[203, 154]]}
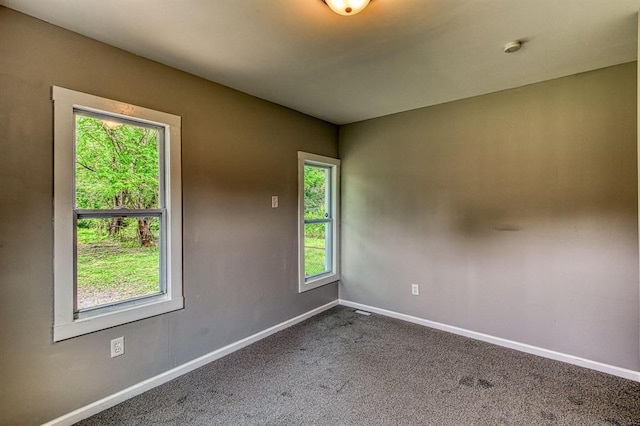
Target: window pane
{"points": [[316, 192], [317, 254], [117, 165], [116, 259]]}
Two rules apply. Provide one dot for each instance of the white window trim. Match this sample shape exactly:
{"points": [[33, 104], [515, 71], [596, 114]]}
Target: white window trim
{"points": [[305, 284], [65, 325]]}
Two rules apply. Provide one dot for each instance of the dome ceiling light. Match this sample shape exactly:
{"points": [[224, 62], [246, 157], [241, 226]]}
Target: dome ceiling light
{"points": [[512, 46], [347, 7]]}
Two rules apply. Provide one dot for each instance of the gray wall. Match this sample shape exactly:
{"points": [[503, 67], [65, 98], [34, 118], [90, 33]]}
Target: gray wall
{"points": [[240, 256], [516, 212]]}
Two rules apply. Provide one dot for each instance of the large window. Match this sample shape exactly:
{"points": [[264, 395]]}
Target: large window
{"points": [[319, 199], [117, 213]]}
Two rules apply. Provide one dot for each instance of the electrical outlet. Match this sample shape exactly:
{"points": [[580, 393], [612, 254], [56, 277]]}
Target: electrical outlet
{"points": [[117, 347], [274, 201], [415, 289]]}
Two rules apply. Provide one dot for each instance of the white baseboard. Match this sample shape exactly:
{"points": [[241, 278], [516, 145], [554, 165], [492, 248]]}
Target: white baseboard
{"points": [[523, 347], [138, 388], [116, 398]]}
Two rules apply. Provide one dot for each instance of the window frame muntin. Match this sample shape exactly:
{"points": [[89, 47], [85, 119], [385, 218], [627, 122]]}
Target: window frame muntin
{"points": [[333, 164], [65, 325]]}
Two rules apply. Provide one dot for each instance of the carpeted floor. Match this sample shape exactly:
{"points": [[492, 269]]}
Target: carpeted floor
{"points": [[342, 368]]}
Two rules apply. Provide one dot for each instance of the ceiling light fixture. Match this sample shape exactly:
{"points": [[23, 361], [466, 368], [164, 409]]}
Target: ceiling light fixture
{"points": [[512, 46], [346, 7]]}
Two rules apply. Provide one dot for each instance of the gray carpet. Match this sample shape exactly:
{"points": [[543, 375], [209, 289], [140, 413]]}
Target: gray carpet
{"points": [[341, 368]]}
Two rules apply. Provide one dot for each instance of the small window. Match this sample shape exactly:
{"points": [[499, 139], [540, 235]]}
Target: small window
{"points": [[117, 219], [319, 226]]}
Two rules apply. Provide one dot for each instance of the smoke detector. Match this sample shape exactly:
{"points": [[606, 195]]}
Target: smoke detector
{"points": [[512, 46]]}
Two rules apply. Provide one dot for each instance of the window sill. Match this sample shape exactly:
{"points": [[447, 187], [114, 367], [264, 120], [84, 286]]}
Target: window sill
{"points": [[318, 281], [99, 320]]}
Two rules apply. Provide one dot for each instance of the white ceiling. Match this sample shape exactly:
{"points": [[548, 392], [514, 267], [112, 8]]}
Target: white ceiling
{"points": [[394, 56]]}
